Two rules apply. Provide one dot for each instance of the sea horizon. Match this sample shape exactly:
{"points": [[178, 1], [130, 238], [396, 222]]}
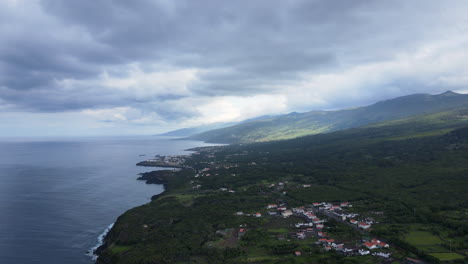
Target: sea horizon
{"points": [[58, 195]]}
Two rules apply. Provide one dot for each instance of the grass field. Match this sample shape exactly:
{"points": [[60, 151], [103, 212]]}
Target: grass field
{"points": [[278, 230], [447, 256], [117, 249], [422, 238]]}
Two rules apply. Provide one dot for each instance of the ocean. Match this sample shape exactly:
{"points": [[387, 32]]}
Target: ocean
{"points": [[57, 196]]}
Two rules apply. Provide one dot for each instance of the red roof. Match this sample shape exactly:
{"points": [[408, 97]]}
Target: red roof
{"points": [[369, 244]]}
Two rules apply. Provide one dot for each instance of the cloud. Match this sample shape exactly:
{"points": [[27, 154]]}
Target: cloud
{"points": [[177, 63]]}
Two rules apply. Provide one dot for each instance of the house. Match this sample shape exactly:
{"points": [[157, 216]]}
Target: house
{"points": [[370, 245], [319, 226], [309, 215], [345, 204], [258, 215], [286, 213], [273, 213], [364, 252], [241, 232], [338, 247], [364, 225], [353, 221], [282, 208], [379, 243], [272, 206], [240, 213], [374, 243], [316, 204], [316, 221], [297, 253], [300, 235], [328, 241], [306, 185], [298, 210], [381, 254]]}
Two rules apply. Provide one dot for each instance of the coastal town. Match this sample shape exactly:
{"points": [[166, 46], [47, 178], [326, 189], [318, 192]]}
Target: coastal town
{"points": [[175, 161], [310, 226]]}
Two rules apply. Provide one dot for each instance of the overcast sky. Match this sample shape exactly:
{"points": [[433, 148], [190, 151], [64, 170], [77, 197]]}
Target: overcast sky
{"points": [[102, 67]]}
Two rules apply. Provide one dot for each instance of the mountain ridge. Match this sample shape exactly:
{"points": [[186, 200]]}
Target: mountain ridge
{"points": [[294, 125]]}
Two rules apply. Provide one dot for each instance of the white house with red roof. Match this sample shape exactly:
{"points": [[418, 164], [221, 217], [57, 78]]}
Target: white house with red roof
{"points": [[370, 245], [364, 225], [379, 243], [375, 243]]}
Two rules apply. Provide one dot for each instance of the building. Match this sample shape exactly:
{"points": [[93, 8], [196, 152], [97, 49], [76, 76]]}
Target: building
{"points": [[364, 225], [286, 213]]}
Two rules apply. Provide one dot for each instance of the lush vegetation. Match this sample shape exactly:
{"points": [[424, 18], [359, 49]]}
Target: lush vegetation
{"points": [[409, 175], [300, 124]]}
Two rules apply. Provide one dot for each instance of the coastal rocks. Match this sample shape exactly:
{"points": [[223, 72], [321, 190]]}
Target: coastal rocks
{"points": [[155, 177]]}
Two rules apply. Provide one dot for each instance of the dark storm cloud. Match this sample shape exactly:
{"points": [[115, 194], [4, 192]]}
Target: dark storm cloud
{"points": [[240, 47]]}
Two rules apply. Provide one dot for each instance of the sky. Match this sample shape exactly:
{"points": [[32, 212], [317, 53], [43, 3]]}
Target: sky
{"points": [[111, 67]]}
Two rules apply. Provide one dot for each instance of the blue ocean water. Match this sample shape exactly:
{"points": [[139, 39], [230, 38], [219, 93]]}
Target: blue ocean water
{"points": [[57, 196]]}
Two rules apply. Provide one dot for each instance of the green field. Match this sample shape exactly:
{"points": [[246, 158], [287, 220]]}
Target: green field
{"points": [[118, 249], [278, 230], [422, 238], [447, 256]]}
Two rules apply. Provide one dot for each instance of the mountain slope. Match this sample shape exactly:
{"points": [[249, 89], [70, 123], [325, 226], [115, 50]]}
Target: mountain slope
{"points": [[186, 132], [314, 122]]}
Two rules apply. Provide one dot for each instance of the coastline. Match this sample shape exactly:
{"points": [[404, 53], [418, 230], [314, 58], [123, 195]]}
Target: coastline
{"points": [[153, 177], [93, 252]]}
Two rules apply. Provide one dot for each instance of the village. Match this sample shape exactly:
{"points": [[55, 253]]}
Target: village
{"points": [[310, 225], [176, 161]]}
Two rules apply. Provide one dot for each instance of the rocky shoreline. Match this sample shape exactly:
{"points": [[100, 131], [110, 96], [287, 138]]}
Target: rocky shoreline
{"points": [[152, 177]]}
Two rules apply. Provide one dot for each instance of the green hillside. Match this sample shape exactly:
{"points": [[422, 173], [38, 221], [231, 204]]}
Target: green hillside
{"points": [[409, 175], [300, 124]]}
